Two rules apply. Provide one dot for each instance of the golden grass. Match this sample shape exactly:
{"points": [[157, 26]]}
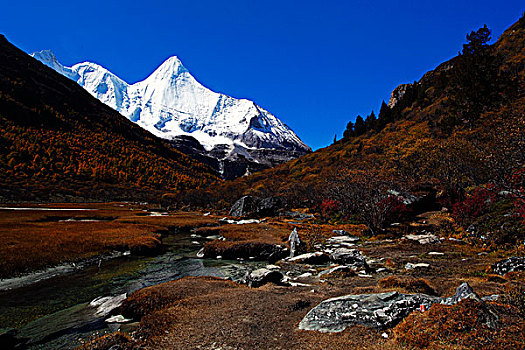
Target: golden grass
{"points": [[407, 284], [29, 241]]}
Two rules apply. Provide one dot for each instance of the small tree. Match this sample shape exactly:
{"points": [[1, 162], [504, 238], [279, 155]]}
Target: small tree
{"points": [[371, 121], [385, 116], [477, 41], [359, 127], [349, 132]]}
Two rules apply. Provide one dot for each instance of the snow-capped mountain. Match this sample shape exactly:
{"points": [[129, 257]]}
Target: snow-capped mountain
{"points": [[171, 104]]}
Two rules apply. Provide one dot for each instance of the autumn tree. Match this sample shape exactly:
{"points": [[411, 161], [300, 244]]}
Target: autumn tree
{"points": [[368, 194]]}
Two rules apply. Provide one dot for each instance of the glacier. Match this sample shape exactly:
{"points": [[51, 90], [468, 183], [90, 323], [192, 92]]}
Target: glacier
{"points": [[172, 104]]}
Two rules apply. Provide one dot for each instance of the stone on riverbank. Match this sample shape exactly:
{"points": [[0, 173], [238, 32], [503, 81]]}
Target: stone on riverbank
{"points": [[255, 207], [262, 276]]}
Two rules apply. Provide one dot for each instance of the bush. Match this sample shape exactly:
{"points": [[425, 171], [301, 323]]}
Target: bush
{"points": [[474, 205], [330, 207], [468, 324]]}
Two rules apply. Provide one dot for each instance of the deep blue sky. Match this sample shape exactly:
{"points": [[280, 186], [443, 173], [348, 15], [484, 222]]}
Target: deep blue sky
{"points": [[314, 64]]}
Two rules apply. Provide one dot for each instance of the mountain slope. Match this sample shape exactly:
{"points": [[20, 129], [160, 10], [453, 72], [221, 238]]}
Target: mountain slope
{"points": [[172, 104], [59, 143], [461, 125]]}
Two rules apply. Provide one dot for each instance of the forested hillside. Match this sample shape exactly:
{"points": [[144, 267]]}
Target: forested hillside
{"points": [[457, 134]]}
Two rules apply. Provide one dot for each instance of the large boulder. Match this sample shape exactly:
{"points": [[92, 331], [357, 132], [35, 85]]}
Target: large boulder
{"points": [[418, 200], [260, 277], [349, 257], [381, 311], [251, 206], [511, 264]]}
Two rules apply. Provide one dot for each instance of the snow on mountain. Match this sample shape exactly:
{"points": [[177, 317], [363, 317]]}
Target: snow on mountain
{"points": [[171, 103], [48, 58]]}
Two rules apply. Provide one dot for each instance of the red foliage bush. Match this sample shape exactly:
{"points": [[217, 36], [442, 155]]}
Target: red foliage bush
{"points": [[395, 209], [330, 207], [474, 205]]}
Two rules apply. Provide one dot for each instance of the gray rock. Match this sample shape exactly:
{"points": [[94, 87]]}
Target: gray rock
{"points": [[349, 257], [341, 268], [424, 238], [262, 276], [493, 297], [315, 258], [513, 263], [298, 216], [104, 305], [464, 291], [341, 232], [251, 206], [410, 266], [117, 319], [381, 311], [397, 94]]}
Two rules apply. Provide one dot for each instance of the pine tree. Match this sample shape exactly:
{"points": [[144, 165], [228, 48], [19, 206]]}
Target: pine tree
{"points": [[349, 132], [370, 121], [385, 116], [359, 126], [477, 41]]}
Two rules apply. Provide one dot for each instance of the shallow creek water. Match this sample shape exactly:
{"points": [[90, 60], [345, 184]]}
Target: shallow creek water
{"points": [[55, 313]]}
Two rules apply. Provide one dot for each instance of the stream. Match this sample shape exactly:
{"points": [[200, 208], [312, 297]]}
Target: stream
{"points": [[62, 312]]}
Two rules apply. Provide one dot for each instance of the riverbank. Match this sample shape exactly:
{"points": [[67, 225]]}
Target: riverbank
{"points": [[38, 237]]}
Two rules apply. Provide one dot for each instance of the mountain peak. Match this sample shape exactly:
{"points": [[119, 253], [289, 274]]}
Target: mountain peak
{"points": [[172, 67]]}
